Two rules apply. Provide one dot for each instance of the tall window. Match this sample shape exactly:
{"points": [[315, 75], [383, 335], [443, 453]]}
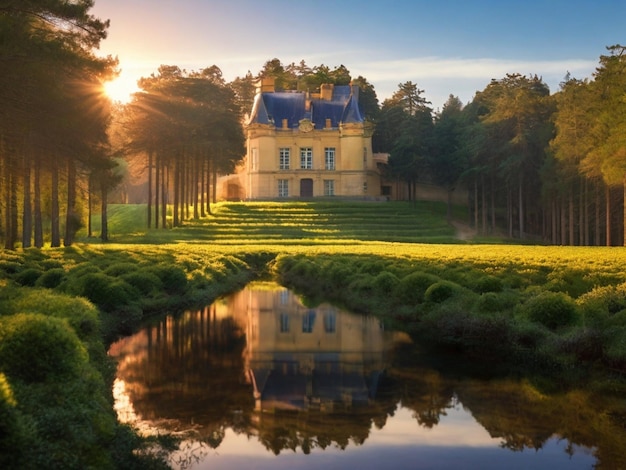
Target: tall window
{"points": [[283, 158], [284, 323], [306, 158], [308, 322], [329, 158], [330, 322], [254, 164], [283, 188], [329, 187]]}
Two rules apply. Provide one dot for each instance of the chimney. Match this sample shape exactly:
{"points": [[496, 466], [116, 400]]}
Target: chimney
{"points": [[265, 85], [326, 91]]}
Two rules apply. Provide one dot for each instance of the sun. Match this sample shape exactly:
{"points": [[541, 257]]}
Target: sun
{"points": [[121, 88]]}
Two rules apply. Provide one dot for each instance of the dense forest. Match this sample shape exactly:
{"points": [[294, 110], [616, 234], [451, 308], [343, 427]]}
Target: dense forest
{"points": [[538, 166]]}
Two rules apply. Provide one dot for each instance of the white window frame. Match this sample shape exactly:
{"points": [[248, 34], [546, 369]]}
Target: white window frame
{"points": [[283, 188], [329, 187], [284, 154], [306, 158], [329, 158]]}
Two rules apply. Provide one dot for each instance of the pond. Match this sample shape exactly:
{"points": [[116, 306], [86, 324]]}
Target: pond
{"points": [[261, 380]]}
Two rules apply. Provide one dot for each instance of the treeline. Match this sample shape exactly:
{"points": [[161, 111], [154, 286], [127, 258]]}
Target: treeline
{"points": [[544, 167], [53, 119], [185, 128]]}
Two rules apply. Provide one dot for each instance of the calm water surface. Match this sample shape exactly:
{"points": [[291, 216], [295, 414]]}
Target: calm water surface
{"points": [[260, 381]]}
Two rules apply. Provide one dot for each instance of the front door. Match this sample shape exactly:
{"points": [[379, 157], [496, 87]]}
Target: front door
{"points": [[306, 187]]}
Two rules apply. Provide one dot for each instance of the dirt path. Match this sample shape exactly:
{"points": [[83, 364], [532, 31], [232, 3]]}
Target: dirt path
{"points": [[463, 231]]}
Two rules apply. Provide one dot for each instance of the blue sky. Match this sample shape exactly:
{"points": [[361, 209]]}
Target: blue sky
{"points": [[445, 47]]}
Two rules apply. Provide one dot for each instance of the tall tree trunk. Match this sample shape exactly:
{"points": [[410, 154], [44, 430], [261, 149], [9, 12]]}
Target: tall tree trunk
{"points": [[571, 217], [208, 185], [38, 215], [582, 213], [104, 216], [157, 188], [492, 205], [476, 214], [520, 202], [215, 184], [597, 239], [509, 211], [202, 193], [55, 231], [177, 171], [89, 206], [194, 186], [624, 210], [554, 221], [483, 204], [165, 176], [27, 215], [563, 218], [9, 243], [607, 201], [150, 188], [72, 220]]}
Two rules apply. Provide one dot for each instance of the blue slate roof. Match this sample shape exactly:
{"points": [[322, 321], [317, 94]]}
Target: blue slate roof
{"points": [[272, 108]]}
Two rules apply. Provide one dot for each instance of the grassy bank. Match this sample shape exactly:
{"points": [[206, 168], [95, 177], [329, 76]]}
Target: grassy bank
{"points": [[556, 310]]}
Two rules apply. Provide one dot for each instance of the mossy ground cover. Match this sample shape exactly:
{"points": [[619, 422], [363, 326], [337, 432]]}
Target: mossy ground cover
{"points": [[560, 311]]}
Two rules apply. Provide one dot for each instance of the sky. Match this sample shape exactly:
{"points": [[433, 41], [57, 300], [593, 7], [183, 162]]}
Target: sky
{"points": [[443, 46]]}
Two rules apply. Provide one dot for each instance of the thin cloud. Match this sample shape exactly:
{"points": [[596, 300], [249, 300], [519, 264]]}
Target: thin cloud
{"points": [[434, 67]]}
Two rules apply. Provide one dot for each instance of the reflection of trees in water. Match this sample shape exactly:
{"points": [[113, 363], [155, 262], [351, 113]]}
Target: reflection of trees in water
{"points": [[188, 373], [515, 411], [315, 429]]}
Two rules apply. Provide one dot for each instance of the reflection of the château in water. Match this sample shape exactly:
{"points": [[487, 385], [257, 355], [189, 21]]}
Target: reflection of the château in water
{"points": [[294, 377], [301, 358]]}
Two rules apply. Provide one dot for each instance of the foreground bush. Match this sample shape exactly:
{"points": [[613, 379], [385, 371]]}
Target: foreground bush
{"points": [[552, 309], [36, 348]]}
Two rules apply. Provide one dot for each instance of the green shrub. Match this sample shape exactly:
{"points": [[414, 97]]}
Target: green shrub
{"points": [[10, 267], [51, 279], [570, 281], [119, 269], [492, 302], [615, 347], [37, 348], [440, 291], [412, 287], [487, 284], [173, 278], [144, 281], [107, 292], [552, 309], [28, 276], [585, 344], [81, 315], [601, 303], [48, 264], [13, 434], [529, 336], [385, 283]]}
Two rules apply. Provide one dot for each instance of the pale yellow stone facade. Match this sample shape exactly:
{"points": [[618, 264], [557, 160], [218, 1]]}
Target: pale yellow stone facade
{"points": [[302, 145]]}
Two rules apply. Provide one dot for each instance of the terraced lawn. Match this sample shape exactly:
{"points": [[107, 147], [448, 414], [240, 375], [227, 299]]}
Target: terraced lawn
{"points": [[293, 222]]}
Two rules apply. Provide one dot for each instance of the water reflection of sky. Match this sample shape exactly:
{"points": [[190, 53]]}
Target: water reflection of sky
{"points": [[173, 378], [458, 442]]}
